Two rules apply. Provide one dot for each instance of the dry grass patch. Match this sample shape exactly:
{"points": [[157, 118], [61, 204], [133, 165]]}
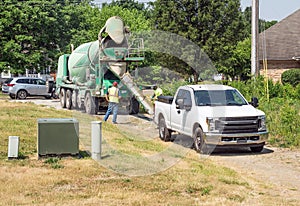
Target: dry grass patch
{"points": [[72, 181]]}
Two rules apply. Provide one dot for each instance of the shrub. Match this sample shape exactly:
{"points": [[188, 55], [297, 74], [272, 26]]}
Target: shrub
{"points": [[282, 121], [297, 91], [291, 77], [275, 89]]}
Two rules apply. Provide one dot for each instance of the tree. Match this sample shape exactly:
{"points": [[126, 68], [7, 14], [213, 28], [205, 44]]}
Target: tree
{"points": [[127, 4], [215, 26], [34, 33], [240, 63], [23, 34]]}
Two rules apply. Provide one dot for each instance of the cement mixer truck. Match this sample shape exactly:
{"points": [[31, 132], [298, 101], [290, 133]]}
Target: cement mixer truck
{"points": [[84, 76]]}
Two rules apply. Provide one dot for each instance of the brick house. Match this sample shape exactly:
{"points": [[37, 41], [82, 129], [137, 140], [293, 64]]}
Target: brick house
{"points": [[280, 46]]}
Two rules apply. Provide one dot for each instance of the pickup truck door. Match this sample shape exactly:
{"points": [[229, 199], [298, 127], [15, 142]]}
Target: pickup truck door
{"points": [[179, 113]]}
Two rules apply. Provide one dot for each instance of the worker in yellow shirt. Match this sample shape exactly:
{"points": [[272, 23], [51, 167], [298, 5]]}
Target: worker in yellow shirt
{"points": [[157, 92], [113, 96]]}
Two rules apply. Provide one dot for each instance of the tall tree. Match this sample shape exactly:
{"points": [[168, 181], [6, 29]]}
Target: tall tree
{"points": [[33, 33], [240, 63], [24, 34], [215, 26], [127, 4]]}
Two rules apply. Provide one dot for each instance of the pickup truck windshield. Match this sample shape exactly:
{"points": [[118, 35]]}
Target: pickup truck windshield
{"points": [[219, 98]]}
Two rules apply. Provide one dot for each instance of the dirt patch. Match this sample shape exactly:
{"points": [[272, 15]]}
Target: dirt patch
{"points": [[277, 167]]}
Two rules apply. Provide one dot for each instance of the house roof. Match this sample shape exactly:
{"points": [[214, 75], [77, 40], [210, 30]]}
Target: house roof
{"points": [[282, 40]]}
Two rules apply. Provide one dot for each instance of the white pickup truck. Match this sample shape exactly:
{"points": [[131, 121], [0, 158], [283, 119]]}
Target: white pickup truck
{"points": [[213, 115]]}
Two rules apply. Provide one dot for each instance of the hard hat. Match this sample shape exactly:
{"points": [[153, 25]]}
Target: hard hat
{"points": [[115, 84]]}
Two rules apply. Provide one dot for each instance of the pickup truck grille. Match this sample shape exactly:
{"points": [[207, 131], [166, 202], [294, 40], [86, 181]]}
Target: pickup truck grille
{"points": [[231, 125]]}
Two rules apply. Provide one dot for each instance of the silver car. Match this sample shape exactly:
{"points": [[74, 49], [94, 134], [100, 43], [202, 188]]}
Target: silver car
{"points": [[22, 87], [5, 85]]}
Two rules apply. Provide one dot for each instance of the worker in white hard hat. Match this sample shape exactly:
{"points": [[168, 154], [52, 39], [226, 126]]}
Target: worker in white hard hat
{"points": [[113, 96]]}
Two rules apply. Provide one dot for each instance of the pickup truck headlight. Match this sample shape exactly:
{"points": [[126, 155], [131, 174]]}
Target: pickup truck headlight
{"points": [[211, 124], [262, 123]]}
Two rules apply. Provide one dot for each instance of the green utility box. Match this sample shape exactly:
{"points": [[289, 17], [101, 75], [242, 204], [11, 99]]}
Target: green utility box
{"points": [[58, 137]]}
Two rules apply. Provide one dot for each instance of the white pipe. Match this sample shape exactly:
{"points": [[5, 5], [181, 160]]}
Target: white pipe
{"points": [[96, 139]]}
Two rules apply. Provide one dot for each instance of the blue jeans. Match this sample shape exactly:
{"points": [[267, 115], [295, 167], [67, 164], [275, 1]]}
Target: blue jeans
{"points": [[112, 108]]}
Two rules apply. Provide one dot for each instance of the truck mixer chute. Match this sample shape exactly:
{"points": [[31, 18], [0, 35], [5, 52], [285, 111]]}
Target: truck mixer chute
{"points": [[84, 76]]}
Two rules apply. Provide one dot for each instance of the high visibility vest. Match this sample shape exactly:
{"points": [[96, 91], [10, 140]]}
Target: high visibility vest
{"points": [[113, 93], [157, 93]]}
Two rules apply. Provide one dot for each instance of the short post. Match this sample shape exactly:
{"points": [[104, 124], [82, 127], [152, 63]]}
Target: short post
{"points": [[13, 147], [96, 139]]}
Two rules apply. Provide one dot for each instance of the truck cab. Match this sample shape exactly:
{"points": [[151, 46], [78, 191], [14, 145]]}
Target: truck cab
{"points": [[212, 115]]}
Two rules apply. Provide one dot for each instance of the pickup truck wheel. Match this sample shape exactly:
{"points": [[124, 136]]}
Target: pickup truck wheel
{"points": [[164, 132], [257, 149], [199, 143]]}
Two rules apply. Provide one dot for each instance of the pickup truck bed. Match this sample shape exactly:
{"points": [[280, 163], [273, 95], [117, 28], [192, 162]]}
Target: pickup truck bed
{"points": [[165, 99]]}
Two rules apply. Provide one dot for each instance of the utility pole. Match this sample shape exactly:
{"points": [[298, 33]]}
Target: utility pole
{"points": [[254, 38]]}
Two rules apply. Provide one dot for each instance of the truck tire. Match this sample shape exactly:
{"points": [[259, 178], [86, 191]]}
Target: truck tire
{"points": [[257, 149], [164, 132], [74, 99], [134, 106], [199, 143], [91, 104], [69, 99], [62, 97], [22, 94], [80, 103]]}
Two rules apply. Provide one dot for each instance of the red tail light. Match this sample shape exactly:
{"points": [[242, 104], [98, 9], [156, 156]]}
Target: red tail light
{"points": [[10, 85]]}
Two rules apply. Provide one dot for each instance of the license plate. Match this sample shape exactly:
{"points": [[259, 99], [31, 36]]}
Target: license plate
{"points": [[241, 140]]}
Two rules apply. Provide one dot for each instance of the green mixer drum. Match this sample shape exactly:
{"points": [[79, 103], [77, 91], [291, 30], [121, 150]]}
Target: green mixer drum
{"points": [[82, 58]]}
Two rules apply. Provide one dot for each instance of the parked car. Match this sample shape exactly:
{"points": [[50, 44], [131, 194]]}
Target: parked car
{"points": [[22, 87], [5, 85]]}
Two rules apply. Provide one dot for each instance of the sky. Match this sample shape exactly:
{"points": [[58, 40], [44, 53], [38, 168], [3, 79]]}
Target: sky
{"points": [[274, 9], [268, 9]]}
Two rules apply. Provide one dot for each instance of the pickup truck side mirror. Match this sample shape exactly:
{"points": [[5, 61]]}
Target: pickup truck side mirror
{"points": [[181, 104], [254, 102]]}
